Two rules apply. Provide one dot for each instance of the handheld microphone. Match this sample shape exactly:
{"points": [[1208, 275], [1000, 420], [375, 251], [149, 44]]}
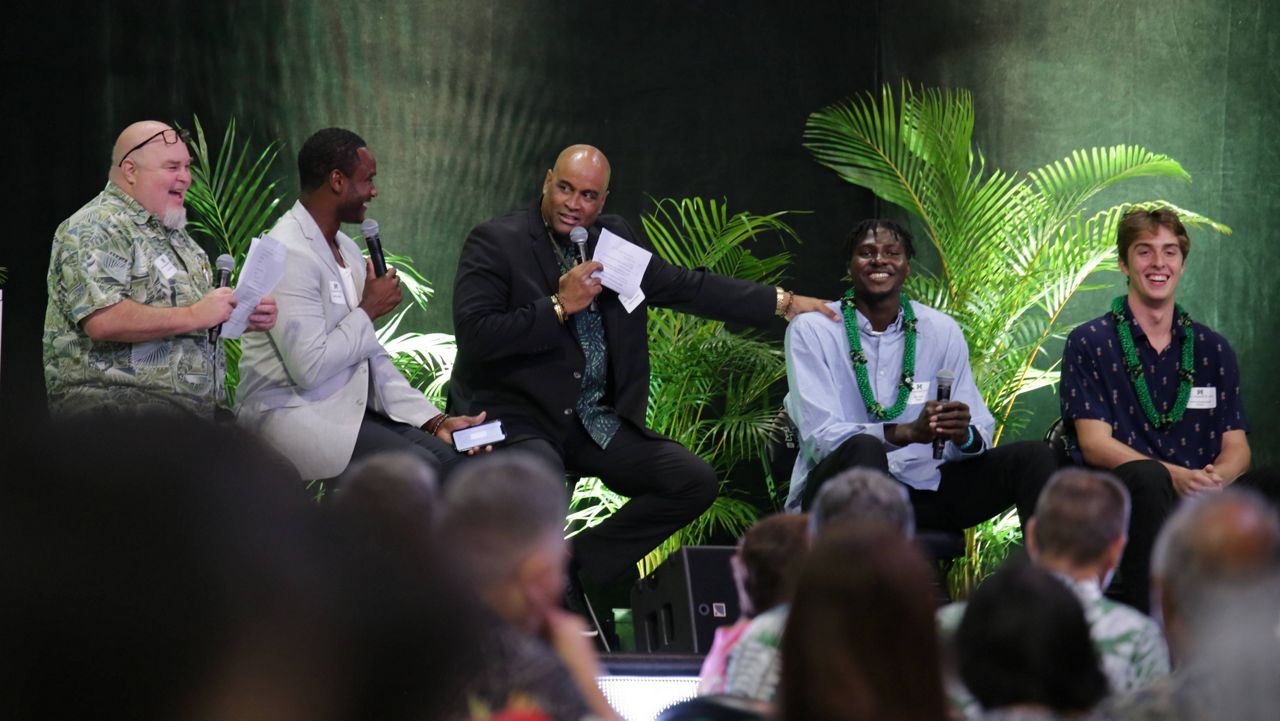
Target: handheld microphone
{"points": [[578, 236], [369, 229], [225, 265], [944, 379]]}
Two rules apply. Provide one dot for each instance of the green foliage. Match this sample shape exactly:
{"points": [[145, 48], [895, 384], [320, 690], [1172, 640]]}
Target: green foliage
{"points": [[425, 359], [1012, 250], [234, 199], [713, 391]]}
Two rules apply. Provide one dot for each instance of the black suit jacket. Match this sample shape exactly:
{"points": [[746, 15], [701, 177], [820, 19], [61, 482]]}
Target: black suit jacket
{"points": [[516, 361]]}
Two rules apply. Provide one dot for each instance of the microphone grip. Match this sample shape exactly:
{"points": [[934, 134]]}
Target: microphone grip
{"points": [[375, 255], [582, 258], [940, 444], [224, 279]]}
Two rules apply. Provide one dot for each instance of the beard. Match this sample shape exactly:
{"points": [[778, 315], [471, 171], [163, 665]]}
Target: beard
{"points": [[174, 218]]}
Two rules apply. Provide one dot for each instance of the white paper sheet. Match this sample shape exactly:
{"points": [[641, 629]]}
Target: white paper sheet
{"points": [[624, 265], [263, 268]]}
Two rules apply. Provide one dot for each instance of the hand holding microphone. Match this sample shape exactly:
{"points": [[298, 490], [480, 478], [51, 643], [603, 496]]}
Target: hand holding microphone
{"points": [[226, 265], [372, 238], [943, 380]]}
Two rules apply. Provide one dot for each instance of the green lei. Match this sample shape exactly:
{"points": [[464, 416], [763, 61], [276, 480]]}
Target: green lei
{"points": [[1186, 369], [859, 359]]}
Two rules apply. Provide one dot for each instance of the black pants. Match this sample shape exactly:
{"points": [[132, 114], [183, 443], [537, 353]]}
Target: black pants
{"points": [[379, 434], [971, 490], [1154, 499], [668, 486]]}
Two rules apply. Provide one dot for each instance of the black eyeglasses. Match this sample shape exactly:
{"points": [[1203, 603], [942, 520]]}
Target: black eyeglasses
{"points": [[170, 136]]}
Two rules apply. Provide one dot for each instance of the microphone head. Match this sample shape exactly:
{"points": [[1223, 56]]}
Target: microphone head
{"points": [[945, 377], [225, 262], [578, 234], [369, 228]]}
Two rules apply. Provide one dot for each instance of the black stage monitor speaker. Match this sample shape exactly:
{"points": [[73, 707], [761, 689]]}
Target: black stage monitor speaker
{"points": [[677, 608]]}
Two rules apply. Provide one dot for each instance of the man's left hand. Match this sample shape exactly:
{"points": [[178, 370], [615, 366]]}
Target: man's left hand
{"points": [[950, 420], [805, 304], [263, 317], [456, 423]]}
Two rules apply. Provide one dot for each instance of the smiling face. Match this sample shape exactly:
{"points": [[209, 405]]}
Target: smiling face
{"points": [[574, 191], [157, 175], [879, 265], [1153, 264], [358, 188]]}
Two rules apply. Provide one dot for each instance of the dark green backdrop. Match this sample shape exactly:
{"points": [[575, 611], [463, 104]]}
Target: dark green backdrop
{"points": [[466, 104]]}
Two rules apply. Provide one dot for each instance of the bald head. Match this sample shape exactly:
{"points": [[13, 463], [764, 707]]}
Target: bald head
{"points": [[153, 167], [1213, 543], [136, 133], [574, 191]]}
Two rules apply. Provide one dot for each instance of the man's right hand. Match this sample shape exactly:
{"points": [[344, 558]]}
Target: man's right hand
{"points": [[1193, 481], [214, 308], [381, 295], [578, 288]]}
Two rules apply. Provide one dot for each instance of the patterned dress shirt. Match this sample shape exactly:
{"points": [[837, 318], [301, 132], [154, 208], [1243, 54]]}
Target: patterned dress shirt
{"points": [[110, 250], [1130, 645], [600, 421], [1096, 386]]}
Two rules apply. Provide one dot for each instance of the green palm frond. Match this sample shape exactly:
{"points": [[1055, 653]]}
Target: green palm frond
{"points": [[233, 196], [232, 192], [1013, 250]]}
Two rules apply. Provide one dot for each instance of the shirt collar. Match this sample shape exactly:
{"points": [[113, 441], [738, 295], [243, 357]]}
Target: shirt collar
{"points": [[864, 325], [140, 215], [1178, 331]]}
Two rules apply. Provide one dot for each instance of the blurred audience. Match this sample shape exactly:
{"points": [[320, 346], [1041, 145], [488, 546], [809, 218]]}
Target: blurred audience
{"points": [[159, 569], [504, 519], [860, 642], [764, 570], [1215, 580], [1023, 649], [856, 498], [1078, 535]]}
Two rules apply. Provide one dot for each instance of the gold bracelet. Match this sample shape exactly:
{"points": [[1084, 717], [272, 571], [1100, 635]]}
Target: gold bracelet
{"points": [[557, 307], [784, 302]]}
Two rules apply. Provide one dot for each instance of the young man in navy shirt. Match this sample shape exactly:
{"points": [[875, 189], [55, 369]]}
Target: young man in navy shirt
{"points": [[1153, 395]]}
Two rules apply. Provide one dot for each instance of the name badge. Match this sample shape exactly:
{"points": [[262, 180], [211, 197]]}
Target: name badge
{"points": [[919, 393], [165, 266], [335, 293], [1205, 397]]}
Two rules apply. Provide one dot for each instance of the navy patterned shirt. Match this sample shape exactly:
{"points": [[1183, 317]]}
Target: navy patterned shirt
{"points": [[1095, 386]]}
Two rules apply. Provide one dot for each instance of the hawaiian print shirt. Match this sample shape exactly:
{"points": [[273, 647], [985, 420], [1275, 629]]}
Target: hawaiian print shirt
{"points": [[110, 250], [1130, 645]]}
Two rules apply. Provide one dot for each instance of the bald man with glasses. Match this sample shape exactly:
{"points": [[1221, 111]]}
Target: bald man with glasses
{"points": [[131, 296]]}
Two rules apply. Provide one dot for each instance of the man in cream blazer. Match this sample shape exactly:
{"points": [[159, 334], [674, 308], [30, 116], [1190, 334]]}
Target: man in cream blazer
{"points": [[319, 387]]}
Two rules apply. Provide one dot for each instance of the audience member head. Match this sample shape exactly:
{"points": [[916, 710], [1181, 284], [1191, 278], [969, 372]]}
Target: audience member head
{"points": [[392, 496], [874, 226], [152, 164], [1138, 223], [1024, 640], [411, 630], [1079, 524], [574, 191], [1209, 548], [860, 641], [767, 561], [862, 496], [159, 569], [504, 517]]}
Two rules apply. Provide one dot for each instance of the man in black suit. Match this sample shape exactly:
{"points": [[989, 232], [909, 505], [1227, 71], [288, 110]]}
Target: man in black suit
{"points": [[570, 381]]}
